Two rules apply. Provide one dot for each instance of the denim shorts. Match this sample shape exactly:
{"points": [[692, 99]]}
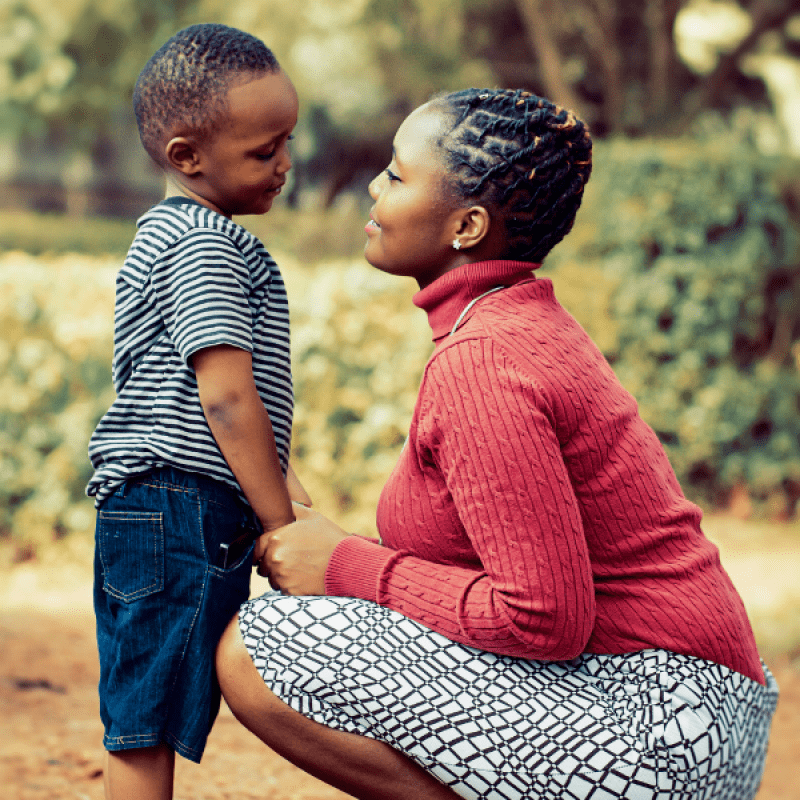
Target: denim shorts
{"points": [[173, 559]]}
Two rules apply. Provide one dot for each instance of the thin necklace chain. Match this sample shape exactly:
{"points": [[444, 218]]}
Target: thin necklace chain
{"points": [[472, 303]]}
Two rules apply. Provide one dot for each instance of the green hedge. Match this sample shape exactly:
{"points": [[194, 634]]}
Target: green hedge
{"points": [[696, 302], [359, 346], [683, 266], [56, 315]]}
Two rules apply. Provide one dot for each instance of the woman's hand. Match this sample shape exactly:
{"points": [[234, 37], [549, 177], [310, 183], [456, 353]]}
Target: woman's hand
{"points": [[296, 556]]}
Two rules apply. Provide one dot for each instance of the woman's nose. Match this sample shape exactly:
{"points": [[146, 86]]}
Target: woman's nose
{"points": [[374, 186]]}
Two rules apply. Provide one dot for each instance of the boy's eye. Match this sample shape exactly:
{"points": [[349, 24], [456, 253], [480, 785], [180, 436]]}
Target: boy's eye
{"points": [[391, 175], [271, 154]]}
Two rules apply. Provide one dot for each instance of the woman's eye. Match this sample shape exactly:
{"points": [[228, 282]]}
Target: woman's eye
{"points": [[391, 175]]}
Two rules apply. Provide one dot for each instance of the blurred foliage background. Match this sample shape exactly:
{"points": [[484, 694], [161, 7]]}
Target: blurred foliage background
{"points": [[684, 264]]}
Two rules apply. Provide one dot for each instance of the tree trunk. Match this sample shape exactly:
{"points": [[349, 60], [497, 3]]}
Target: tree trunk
{"points": [[598, 23], [659, 18], [543, 44]]}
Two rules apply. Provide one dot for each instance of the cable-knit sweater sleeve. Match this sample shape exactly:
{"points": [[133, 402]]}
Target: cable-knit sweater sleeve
{"points": [[486, 544]]}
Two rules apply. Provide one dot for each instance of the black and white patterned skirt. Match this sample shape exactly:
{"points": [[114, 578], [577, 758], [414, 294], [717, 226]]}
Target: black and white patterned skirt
{"points": [[643, 726]]}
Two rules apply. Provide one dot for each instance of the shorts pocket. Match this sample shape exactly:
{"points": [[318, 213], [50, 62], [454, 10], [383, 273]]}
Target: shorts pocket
{"points": [[228, 534], [131, 547]]}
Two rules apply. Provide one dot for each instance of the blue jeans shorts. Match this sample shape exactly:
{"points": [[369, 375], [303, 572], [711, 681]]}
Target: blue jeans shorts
{"points": [[173, 559]]}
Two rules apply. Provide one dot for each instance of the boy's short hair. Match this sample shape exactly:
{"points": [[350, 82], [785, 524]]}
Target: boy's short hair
{"points": [[184, 84]]}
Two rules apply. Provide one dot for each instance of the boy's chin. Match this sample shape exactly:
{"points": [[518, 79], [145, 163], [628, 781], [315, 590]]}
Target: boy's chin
{"points": [[256, 209]]}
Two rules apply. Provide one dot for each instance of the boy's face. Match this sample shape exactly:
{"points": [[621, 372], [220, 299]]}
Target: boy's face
{"points": [[243, 165]]}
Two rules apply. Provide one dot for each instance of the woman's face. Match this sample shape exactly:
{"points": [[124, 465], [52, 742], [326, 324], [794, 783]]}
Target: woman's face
{"points": [[413, 223]]}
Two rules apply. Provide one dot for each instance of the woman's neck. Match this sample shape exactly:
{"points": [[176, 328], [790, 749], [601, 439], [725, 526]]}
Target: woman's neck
{"points": [[446, 297]]}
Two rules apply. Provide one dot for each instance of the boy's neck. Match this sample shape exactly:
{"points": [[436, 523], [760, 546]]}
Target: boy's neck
{"points": [[175, 188]]}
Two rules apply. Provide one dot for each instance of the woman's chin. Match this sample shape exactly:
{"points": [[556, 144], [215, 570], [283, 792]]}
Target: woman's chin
{"points": [[370, 256]]}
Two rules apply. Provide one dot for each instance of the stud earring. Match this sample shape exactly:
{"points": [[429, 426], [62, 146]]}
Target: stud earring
{"points": [[456, 244]]}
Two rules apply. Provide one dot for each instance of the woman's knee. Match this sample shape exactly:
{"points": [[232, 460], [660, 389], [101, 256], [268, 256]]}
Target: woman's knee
{"points": [[234, 665]]}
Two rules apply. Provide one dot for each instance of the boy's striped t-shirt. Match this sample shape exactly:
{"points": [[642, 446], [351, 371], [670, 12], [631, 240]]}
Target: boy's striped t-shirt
{"points": [[192, 279]]}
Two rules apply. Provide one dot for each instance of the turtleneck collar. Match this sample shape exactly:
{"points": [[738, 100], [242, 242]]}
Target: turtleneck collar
{"points": [[448, 296]]}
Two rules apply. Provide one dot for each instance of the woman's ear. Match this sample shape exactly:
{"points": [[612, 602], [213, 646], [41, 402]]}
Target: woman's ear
{"points": [[473, 226], [182, 154]]}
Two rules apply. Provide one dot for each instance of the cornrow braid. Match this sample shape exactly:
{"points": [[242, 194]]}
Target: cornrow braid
{"points": [[523, 157], [185, 83]]}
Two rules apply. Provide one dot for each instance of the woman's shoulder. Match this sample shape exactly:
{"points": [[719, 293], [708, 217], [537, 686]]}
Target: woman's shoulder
{"points": [[525, 321]]}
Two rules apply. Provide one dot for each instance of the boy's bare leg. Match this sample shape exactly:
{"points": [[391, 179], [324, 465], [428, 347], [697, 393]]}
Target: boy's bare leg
{"points": [[146, 773], [362, 767]]}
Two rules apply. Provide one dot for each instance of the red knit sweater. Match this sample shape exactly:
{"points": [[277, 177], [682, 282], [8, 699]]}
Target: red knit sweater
{"points": [[533, 512]]}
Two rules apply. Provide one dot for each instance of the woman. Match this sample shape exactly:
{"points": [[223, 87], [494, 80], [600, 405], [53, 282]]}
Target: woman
{"points": [[542, 617]]}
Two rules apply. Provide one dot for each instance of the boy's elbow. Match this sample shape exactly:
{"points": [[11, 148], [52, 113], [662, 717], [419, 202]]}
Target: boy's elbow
{"points": [[222, 406]]}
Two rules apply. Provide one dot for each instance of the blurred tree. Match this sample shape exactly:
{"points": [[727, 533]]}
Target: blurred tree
{"points": [[69, 67], [360, 67], [616, 61], [766, 16], [66, 73]]}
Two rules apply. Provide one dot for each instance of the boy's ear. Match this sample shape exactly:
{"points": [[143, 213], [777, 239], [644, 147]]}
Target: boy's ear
{"points": [[182, 154], [473, 226]]}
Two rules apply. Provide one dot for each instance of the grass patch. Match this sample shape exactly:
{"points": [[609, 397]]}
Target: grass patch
{"points": [[57, 234], [309, 235], [313, 235]]}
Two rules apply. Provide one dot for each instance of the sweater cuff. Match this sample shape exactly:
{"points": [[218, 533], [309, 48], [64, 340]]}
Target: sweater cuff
{"points": [[355, 567]]}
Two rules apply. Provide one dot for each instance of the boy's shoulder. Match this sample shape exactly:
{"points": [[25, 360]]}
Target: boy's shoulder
{"points": [[177, 216], [174, 236], [175, 220]]}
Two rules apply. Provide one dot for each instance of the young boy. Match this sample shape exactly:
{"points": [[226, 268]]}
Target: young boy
{"points": [[191, 457]]}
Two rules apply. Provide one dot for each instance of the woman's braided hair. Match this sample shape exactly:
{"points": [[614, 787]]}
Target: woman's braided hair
{"points": [[524, 158], [185, 83]]}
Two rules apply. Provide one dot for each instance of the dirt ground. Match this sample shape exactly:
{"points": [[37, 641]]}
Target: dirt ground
{"points": [[50, 733]]}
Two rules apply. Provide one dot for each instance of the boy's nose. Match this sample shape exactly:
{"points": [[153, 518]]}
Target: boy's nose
{"points": [[285, 163]]}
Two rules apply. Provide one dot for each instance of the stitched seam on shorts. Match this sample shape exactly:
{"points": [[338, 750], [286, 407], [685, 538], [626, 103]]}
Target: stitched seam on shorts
{"points": [[137, 738], [200, 600], [158, 579], [173, 487], [180, 747]]}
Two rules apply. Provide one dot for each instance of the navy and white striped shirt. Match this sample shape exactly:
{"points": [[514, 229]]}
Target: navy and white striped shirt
{"points": [[192, 279]]}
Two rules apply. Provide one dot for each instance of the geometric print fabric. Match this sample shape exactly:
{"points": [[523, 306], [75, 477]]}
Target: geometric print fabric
{"points": [[650, 725]]}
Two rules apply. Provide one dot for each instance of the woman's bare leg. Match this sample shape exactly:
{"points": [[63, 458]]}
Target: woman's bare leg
{"points": [[362, 767]]}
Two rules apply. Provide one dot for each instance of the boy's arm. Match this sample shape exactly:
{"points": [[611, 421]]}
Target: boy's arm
{"points": [[242, 429]]}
